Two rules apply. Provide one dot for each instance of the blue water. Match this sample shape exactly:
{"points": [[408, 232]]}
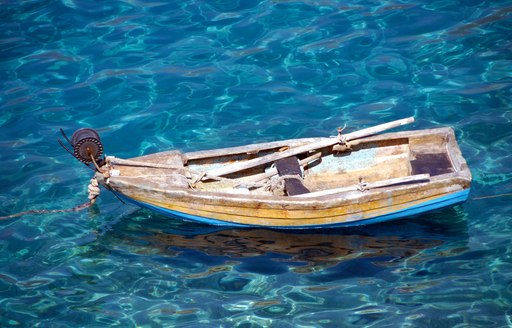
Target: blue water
{"points": [[194, 75]]}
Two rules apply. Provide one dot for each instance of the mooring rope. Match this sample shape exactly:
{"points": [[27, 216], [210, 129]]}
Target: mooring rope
{"points": [[94, 192], [73, 209], [492, 196]]}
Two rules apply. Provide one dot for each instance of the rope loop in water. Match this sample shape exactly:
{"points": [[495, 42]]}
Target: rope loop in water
{"points": [[94, 192]]}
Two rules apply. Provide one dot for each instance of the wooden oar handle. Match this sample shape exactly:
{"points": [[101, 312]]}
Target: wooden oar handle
{"points": [[378, 128]]}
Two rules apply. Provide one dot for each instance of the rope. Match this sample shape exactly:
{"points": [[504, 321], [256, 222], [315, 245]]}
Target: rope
{"points": [[279, 185], [363, 185], [94, 192], [73, 209], [492, 196], [273, 184]]}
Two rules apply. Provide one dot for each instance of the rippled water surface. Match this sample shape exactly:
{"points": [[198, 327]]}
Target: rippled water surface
{"points": [[194, 75]]}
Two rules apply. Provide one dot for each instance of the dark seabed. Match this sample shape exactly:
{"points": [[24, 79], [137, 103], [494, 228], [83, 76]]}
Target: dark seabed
{"points": [[194, 75]]}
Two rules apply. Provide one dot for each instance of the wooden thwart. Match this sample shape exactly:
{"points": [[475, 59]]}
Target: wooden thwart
{"points": [[289, 169]]}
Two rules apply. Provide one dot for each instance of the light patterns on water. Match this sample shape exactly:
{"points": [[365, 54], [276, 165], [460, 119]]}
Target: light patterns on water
{"points": [[193, 75]]}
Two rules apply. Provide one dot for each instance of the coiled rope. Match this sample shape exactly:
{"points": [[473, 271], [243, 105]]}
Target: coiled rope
{"points": [[94, 192]]}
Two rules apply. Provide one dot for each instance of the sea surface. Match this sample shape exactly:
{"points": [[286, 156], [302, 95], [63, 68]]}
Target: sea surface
{"points": [[192, 75]]}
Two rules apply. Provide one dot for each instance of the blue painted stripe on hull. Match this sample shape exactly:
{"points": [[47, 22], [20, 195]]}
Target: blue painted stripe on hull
{"points": [[448, 200], [438, 203]]}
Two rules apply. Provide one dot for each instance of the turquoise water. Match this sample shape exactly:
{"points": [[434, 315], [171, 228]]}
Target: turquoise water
{"points": [[194, 75]]}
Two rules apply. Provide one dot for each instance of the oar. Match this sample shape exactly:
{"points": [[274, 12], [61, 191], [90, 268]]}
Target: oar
{"points": [[236, 167], [370, 185], [273, 171]]}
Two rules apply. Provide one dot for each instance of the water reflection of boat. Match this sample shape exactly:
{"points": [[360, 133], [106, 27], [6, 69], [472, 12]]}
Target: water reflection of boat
{"points": [[312, 249], [373, 247]]}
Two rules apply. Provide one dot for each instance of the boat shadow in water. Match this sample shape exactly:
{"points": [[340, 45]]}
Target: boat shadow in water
{"points": [[364, 250]]}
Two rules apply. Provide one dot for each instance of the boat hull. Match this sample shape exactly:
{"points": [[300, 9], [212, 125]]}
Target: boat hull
{"points": [[393, 213], [382, 178]]}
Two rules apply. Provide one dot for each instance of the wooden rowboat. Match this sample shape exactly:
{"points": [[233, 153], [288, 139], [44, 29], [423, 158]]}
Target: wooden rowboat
{"points": [[353, 179]]}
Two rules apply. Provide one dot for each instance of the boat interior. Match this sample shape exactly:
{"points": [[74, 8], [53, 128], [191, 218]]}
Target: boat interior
{"points": [[368, 160]]}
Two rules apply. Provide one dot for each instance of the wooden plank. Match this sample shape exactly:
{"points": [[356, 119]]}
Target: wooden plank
{"points": [[249, 149], [175, 162], [236, 167], [378, 128], [373, 185]]}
